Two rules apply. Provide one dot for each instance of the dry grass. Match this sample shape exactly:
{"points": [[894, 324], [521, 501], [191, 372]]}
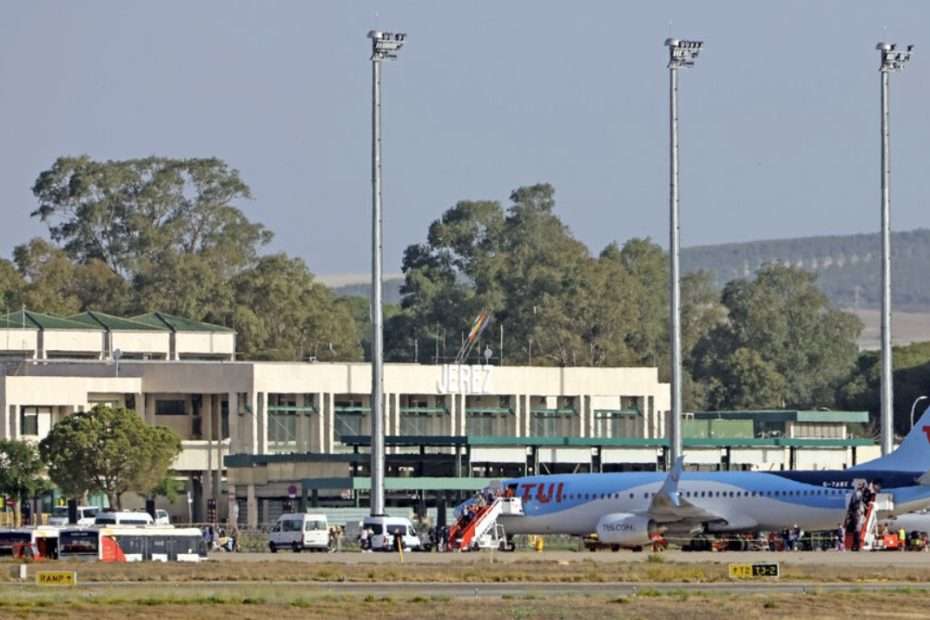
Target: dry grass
{"points": [[284, 603], [465, 571]]}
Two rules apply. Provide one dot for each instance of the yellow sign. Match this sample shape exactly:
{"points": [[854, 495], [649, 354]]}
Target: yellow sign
{"points": [[56, 578], [754, 571]]}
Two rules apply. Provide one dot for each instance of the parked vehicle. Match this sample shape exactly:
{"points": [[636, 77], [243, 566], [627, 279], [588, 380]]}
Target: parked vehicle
{"points": [[299, 531], [85, 515], [384, 529], [123, 518], [29, 542], [132, 544], [162, 517]]}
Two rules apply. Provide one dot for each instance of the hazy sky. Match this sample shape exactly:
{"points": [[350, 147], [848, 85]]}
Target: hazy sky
{"points": [[779, 131]]}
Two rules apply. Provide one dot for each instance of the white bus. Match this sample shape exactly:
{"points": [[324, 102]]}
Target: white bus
{"points": [[29, 542], [132, 544]]}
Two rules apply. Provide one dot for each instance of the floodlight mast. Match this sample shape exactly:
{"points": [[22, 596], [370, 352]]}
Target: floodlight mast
{"points": [[681, 54], [384, 46], [892, 59]]}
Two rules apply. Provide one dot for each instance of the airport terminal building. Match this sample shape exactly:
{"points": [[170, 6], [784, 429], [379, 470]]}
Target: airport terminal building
{"points": [[258, 434]]}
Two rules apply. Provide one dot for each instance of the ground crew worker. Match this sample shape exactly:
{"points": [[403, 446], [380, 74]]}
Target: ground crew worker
{"points": [[902, 539]]}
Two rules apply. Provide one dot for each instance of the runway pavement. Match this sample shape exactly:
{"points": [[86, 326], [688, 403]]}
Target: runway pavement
{"points": [[829, 558]]}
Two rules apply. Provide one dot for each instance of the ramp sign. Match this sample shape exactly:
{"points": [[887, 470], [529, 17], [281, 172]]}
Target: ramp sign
{"points": [[56, 578]]}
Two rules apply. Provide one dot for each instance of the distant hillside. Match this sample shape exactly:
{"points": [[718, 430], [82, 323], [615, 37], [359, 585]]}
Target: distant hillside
{"points": [[848, 267], [360, 289]]}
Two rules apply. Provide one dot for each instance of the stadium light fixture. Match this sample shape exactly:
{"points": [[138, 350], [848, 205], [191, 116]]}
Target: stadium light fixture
{"points": [[681, 53]]}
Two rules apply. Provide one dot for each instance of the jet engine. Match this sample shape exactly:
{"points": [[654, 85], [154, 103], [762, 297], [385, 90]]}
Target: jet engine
{"points": [[625, 529]]}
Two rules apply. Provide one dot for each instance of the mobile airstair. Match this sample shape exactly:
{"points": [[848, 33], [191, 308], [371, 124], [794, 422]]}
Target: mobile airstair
{"points": [[482, 530], [881, 506]]}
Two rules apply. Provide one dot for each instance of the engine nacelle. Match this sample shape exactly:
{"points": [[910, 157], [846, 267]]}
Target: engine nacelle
{"points": [[625, 529]]}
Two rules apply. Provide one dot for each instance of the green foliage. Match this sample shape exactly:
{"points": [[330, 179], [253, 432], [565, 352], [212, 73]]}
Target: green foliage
{"points": [[283, 313], [108, 450], [20, 470], [782, 344], [558, 305], [129, 213], [166, 234], [170, 487], [910, 378]]}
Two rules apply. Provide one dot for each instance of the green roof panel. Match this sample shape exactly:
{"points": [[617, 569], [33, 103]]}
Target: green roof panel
{"points": [[114, 323], [37, 320], [178, 323]]}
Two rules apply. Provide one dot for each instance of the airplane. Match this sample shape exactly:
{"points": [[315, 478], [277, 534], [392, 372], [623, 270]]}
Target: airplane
{"points": [[628, 509]]}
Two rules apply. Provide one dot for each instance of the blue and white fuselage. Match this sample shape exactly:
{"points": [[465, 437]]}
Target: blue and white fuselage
{"points": [[727, 501], [627, 508]]}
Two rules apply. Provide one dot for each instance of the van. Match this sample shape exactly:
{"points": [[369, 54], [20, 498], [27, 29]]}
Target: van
{"points": [[384, 529], [299, 531], [85, 515], [123, 518]]}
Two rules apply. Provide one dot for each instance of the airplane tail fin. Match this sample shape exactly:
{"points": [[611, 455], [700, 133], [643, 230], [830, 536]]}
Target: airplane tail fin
{"points": [[912, 455]]}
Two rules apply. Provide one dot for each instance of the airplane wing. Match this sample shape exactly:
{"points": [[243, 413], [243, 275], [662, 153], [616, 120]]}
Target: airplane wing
{"points": [[668, 506]]}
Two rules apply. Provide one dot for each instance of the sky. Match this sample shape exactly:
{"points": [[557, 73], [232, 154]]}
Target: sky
{"points": [[779, 117]]}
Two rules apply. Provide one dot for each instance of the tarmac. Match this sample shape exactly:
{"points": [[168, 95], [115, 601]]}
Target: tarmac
{"points": [[809, 558]]}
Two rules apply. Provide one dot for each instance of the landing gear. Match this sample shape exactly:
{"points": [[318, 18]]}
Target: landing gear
{"points": [[700, 543]]}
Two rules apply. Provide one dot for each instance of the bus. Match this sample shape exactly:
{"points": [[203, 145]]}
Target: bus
{"points": [[29, 542], [132, 544]]}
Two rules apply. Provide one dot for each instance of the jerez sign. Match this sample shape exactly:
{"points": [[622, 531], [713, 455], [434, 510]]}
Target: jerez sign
{"points": [[460, 379]]}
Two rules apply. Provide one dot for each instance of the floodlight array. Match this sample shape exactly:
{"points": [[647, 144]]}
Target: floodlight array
{"points": [[893, 59], [682, 53], [385, 44]]}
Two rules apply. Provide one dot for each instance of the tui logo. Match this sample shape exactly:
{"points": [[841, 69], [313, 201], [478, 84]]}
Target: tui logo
{"points": [[926, 430]]}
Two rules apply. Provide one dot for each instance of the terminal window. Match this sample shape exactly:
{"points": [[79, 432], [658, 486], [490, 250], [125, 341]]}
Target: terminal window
{"points": [[170, 407], [29, 419]]}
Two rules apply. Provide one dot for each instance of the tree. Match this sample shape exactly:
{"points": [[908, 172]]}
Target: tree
{"points": [[20, 471], [109, 450], [128, 214], [281, 312], [782, 341], [11, 286]]}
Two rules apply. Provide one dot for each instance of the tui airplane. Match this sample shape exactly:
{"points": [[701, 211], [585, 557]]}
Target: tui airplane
{"points": [[629, 508]]}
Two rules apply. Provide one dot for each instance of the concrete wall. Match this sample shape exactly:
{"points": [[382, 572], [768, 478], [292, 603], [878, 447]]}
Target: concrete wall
{"points": [[19, 340], [212, 343], [73, 341], [141, 342]]}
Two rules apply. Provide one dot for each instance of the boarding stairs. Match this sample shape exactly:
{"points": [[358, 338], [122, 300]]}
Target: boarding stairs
{"points": [[468, 535], [883, 503]]}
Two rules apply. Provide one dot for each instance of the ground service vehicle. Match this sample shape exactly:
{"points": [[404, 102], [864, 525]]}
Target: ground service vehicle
{"points": [[384, 529], [29, 542], [132, 544], [299, 531], [85, 515], [123, 518]]}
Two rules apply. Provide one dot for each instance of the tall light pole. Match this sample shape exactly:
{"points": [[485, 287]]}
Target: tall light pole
{"points": [[892, 59], [680, 54], [384, 45]]}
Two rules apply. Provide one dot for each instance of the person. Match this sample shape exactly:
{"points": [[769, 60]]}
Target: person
{"points": [[398, 540], [841, 539], [902, 539], [364, 542]]}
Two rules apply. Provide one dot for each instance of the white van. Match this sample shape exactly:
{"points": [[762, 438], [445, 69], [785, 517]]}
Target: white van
{"points": [[383, 530], [299, 531], [123, 518], [85, 515]]}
